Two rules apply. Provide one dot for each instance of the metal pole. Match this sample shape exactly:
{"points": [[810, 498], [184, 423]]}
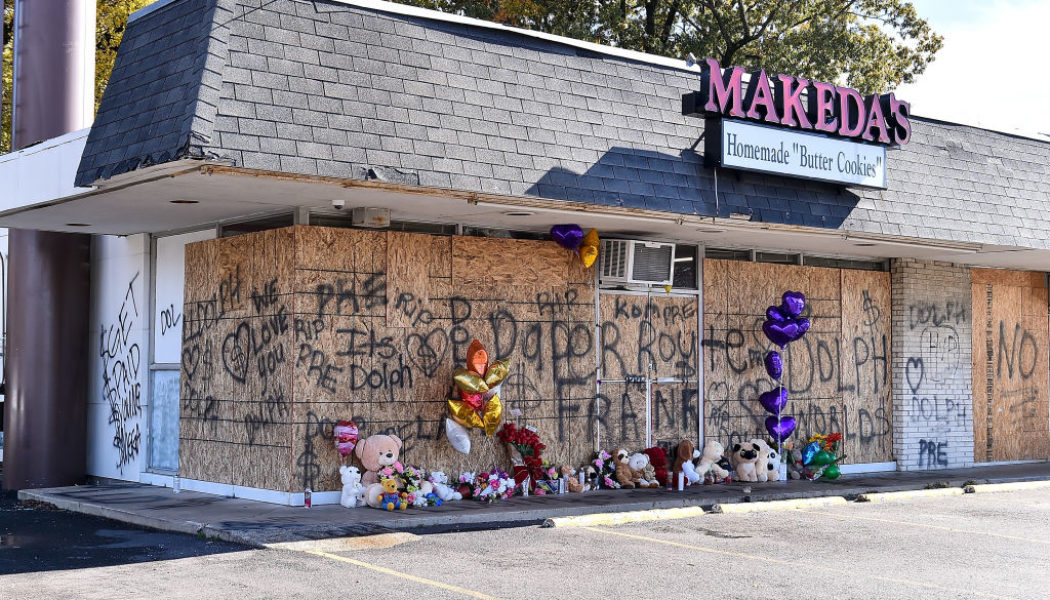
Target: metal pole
{"points": [[46, 404]]}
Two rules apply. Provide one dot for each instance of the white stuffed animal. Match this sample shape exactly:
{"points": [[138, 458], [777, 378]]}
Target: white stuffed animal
{"points": [[353, 492], [771, 464], [761, 472], [713, 452], [441, 488]]}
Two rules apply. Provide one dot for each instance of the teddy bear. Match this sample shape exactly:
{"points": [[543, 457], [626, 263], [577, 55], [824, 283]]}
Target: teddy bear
{"points": [[353, 492], [794, 462], [644, 474], [658, 459], [709, 460], [683, 461], [761, 471], [389, 498], [743, 457], [623, 474], [376, 452], [572, 480], [441, 488]]}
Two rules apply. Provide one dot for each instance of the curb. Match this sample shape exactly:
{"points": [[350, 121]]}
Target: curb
{"points": [[750, 507], [620, 518], [1015, 486], [910, 495]]}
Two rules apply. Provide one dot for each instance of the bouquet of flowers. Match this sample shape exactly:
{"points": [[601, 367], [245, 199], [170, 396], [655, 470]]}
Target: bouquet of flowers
{"points": [[547, 480], [409, 479], [605, 470], [526, 449], [492, 486]]}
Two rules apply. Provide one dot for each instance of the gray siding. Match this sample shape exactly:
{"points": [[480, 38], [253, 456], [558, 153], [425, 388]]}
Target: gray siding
{"points": [[323, 88]]}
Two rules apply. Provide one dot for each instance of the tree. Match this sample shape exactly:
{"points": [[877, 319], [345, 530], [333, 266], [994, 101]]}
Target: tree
{"points": [[111, 19], [872, 45]]}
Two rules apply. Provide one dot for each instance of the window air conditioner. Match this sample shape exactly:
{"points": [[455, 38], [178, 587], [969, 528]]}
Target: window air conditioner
{"points": [[633, 262]]}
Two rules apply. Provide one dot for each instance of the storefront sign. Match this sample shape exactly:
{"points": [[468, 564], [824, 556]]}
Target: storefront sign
{"points": [[787, 101], [742, 145]]}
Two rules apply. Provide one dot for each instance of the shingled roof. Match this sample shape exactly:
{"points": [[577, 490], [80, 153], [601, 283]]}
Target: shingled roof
{"points": [[359, 89]]}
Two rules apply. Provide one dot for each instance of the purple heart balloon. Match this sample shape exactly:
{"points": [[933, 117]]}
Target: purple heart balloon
{"points": [[568, 236], [773, 313], [803, 327], [780, 333], [793, 303], [774, 401], [774, 364], [780, 430]]}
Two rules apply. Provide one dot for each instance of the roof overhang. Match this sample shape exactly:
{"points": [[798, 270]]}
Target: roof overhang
{"points": [[191, 195]]}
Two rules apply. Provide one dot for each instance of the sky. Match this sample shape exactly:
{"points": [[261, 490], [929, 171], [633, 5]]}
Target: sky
{"points": [[991, 70]]}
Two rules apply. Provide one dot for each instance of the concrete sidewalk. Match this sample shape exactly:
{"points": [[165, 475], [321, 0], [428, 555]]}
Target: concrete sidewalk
{"points": [[257, 523]]}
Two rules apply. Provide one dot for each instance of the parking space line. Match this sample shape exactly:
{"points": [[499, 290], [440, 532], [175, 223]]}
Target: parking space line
{"points": [[929, 526], [789, 563], [423, 580]]}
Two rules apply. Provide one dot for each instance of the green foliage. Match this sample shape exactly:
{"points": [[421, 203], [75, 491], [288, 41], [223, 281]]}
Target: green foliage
{"points": [[111, 19], [872, 45]]}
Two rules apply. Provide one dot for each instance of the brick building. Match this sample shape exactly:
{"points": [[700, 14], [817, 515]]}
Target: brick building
{"points": [[237, 136]]}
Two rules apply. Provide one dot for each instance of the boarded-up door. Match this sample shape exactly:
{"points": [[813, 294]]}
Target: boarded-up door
{"points": [[838, 375], [649, 385], [1010, 370]]}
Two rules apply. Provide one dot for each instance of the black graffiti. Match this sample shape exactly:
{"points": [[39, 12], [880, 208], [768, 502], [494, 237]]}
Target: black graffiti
{"points": [[266, 298], [272, 410], [121, 384], [414, 309], [256, 337], [427, 351], [204, 409], [348, 299], [933, 454], [674, 409], [308, 329], [1023, 353], [308, 463], [318, 367], [936, 314], [202, 316], [169, 319], [386, 376]]}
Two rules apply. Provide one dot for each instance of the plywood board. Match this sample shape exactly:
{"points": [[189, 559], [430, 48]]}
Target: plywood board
{"points": [[408, 290], [866, 337], [829, 374], [1010, 341], [509, 262]]}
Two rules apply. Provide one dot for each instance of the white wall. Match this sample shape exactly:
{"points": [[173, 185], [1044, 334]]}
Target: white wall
{"points": [[171, 276], [118, 357], [43, 172]]}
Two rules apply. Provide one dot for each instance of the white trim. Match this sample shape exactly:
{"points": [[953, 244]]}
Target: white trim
{"points": [[238, 491], [1005, 463], [424, 13], [149, 8], [882, 467]]}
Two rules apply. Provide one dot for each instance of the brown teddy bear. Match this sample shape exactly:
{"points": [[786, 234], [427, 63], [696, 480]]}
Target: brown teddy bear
{"points": [[376, 452], [624, 475], [572, 480], [686, 453]]}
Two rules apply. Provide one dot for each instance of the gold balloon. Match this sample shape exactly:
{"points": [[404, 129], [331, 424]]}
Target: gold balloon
{"points": [[589, 248], [464, 414], [493, 415], [469, 381], [588, 254], [497, 372]]}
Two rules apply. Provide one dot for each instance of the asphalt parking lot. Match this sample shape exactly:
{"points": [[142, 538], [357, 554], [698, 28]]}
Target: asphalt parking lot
{"points": [[994, 545]]}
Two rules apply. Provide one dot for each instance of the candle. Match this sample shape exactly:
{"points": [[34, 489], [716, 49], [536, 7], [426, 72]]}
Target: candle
{"points": [[681, 481]]}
